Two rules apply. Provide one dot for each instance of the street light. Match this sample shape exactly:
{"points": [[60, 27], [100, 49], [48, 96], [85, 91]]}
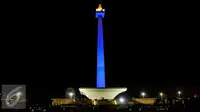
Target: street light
{"points": [[179, 93], [161, 96], [71, 94], [121, 100], [143, 94]]}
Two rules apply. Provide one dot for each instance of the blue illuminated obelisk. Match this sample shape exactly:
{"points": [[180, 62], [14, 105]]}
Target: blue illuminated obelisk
{"points": [[100, 49], [101, 91]]}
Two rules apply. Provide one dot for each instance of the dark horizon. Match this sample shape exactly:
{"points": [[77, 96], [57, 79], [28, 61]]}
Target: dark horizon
{"points": [[147, 45]]}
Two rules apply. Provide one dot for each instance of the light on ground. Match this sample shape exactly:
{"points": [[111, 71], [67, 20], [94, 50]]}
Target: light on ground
{"points": [[179, 93], [121, 100], [71, 94], [143, 94]]}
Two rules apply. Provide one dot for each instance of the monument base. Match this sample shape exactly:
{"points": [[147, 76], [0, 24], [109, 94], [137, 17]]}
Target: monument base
{"points": [[99, 93]]}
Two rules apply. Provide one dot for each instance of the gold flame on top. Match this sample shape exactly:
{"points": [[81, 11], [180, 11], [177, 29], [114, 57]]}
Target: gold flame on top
{"points": [[100, 8]]}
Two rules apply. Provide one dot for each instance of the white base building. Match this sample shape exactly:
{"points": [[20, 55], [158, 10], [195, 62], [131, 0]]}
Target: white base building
{"points": [[99, 93]]}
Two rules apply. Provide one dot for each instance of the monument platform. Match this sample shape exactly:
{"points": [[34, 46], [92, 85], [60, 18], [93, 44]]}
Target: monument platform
{"points": [[99, 93]]}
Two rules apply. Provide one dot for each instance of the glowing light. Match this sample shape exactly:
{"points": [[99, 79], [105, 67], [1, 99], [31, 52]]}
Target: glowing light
{"points": [[71, 94], [95, 102], [19, 93], [195, 95], [161, 94], [121, 100], [143, 94], [100, 8], [115, 102], [179, 93]]}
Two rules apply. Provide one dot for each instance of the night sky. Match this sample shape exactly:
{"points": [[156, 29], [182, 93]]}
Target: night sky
{"points": [[150, 46]]}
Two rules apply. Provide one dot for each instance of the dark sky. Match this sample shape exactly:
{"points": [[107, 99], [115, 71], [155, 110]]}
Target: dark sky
{"points": [[53, 45]]}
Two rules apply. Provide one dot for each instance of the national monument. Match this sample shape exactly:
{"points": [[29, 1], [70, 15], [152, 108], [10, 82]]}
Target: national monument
{"points": [[101, 91]]}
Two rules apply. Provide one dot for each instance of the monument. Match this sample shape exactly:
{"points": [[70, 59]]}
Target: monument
{"points": [[101, 91]]}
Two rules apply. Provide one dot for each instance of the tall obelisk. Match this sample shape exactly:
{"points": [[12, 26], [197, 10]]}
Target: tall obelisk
{"points": [[101, 91], [100, 82]]}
